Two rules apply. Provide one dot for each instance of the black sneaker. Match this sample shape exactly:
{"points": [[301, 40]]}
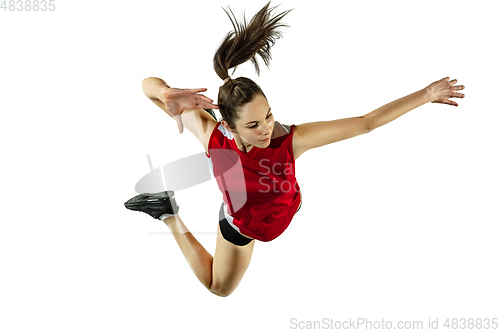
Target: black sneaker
{"points": [[155, 205]]}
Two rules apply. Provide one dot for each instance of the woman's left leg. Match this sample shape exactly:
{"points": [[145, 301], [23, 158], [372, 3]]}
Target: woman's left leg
{"points": [[220, 274], [230, 264]]}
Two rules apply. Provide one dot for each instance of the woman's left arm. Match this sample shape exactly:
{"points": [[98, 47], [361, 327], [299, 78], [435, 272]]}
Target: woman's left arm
{"points": [[312, 135]]}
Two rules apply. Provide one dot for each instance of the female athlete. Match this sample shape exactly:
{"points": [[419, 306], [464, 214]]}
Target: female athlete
{"points": [[252, 156]]}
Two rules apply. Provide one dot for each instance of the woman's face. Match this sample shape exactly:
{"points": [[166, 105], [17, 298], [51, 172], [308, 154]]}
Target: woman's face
{"points": [[256, 122]]}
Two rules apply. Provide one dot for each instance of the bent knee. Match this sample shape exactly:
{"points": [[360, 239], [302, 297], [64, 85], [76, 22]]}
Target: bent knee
{"points": [[221, 290], [221, 293]]}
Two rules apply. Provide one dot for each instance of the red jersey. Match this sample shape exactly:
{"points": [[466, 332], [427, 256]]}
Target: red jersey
{"points": [[260, 192]]}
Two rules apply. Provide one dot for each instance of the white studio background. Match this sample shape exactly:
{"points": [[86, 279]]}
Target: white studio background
{"points": [[398, 224]]}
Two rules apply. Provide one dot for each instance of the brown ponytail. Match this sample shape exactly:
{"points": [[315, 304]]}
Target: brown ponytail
{"points": [[243, 44]]}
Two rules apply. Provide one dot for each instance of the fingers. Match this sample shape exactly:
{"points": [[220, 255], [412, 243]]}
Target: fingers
{"points": [[455, 88], [450, 82], [210, 106], [197, 90], [205, 99], [453, 82], [449, 102], [206, 102], [446, 102]]}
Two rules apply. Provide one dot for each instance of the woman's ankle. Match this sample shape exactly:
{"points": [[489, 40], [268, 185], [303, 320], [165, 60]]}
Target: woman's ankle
{"points": [[175, 224]]}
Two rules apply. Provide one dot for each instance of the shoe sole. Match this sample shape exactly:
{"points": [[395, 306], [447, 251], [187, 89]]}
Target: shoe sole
{"points": [[155, 201]]}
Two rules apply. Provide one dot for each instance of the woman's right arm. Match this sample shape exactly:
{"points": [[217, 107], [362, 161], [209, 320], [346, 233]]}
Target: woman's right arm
{"points": [[184, 105]]}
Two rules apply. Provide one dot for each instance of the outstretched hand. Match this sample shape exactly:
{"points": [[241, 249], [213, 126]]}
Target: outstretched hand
{"points": [[441, 91], [179, 100]]}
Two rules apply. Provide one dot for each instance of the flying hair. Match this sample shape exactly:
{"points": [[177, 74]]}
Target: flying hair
{"points": [[247, 40]]}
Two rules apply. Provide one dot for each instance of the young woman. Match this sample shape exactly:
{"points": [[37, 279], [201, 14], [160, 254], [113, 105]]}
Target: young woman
{"points": [[252, 155]]}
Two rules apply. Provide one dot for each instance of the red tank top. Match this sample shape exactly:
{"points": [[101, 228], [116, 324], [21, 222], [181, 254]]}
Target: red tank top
{"points": [[260, 192]]}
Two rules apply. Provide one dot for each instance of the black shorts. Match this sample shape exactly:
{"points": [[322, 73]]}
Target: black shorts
{"points": [[230, 234]]}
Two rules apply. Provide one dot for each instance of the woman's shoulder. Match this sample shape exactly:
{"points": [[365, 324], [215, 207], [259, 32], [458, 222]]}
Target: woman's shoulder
{"points": [[280, 130], [219, 138]]}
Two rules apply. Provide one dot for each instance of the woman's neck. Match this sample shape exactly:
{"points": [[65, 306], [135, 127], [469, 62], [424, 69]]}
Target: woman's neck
{"points": [[243, 146]]}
